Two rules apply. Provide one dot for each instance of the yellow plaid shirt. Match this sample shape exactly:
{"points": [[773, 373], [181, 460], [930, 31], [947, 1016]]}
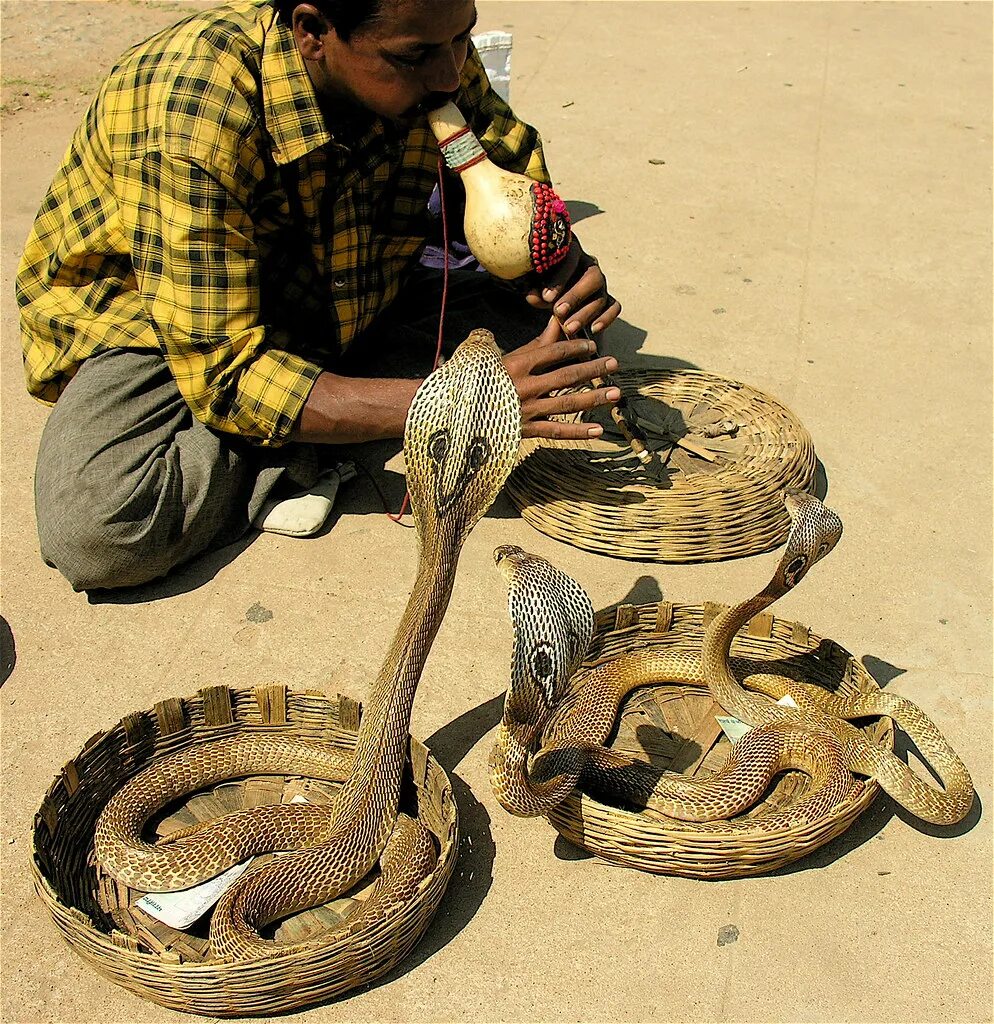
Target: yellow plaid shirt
{"points": [[207, 209]]}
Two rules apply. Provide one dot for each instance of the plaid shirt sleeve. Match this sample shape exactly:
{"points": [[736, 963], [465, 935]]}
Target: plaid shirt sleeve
{"points": [[198, 269], [149, 237]]}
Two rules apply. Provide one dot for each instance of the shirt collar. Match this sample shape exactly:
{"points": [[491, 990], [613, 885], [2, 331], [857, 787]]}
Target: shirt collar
{"points": [[293, 117]]}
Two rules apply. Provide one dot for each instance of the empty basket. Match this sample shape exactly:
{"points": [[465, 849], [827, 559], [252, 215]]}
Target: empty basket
{"points": [[727, 453]]}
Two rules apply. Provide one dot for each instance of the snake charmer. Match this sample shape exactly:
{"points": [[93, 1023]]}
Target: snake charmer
{"points": [[229, 250]]}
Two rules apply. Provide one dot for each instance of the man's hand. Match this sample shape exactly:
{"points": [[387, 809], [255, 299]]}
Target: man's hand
{"points": [[576, 291], [538, 368]]}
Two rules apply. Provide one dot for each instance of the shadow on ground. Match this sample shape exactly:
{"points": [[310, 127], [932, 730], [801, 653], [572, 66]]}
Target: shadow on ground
{"points": [[181, 580], [8, 651]]}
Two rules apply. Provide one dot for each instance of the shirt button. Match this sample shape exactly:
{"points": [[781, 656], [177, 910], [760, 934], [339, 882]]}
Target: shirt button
{"points": [[339, 282]]}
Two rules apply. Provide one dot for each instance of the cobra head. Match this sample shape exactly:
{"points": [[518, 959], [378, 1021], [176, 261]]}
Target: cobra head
{"points": [[553, 624], [461, 440], [814, 531]]}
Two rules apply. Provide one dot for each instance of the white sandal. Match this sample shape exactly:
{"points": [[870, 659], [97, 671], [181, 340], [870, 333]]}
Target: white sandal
{"points": [[304, 513]]}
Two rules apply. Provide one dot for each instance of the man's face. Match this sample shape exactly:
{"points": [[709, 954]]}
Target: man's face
{"points": [[404, 63]]}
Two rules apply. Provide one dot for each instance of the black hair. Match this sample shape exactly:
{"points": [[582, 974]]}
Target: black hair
{"points": [[345, 16]]}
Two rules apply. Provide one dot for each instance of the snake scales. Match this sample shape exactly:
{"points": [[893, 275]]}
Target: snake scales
{"points": [[547, 745], [460, 443]]}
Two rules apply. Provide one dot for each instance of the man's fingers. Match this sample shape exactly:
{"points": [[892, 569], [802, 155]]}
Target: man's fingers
{"points": [[536, 413], [584, 316], [590, 284], [575, 373], [595, 316], [535, 358], [562, 351], [573, 401], [607, 317], [561, 431], [551, 334]]}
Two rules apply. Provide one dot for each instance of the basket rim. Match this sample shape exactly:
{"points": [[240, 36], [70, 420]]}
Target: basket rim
{"points": [[646, 838], [81, 930]]}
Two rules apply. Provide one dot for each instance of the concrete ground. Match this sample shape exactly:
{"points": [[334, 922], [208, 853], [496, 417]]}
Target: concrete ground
{"points": [[793, 195]]}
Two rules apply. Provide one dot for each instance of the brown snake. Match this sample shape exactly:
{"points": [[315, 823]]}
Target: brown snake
{"points": [[546, 746], [460, 443]]}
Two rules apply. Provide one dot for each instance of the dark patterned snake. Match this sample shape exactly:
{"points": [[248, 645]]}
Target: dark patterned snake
{"points": [[460, 444], [547, 745]]}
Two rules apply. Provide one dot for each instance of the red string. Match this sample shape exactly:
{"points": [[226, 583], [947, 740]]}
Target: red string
{"points": [[441, 314]]}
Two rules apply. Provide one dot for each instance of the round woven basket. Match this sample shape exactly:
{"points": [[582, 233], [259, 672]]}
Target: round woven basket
{"points": [[725, 453], [674, 727], [98, 916]]}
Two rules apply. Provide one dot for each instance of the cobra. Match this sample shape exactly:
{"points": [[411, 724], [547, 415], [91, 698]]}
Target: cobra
{"points": [[460, 443], [547, 744]]}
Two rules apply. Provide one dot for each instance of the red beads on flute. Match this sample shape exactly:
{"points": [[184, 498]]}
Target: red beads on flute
{"points": [[550, 229]]}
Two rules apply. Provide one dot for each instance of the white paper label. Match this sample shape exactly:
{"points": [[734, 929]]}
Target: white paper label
{"points": [[180, 909], [734, 728]]}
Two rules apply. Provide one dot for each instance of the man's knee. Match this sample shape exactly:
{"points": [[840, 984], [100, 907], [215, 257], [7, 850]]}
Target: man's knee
{"points": [[90, 561], [82, 534], [102, 522]]}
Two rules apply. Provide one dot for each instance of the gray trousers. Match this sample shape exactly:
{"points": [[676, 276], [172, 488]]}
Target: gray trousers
{"points": [[129, 484]]}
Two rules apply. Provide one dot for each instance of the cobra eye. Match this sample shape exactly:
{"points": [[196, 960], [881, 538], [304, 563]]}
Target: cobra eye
{"points": [[477, 453], [438, 445]]}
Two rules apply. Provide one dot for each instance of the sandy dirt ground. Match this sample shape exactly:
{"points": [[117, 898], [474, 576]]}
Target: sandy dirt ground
{"points": [[792, 195]]}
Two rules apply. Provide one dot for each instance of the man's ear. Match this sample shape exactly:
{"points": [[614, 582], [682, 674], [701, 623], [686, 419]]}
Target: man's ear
{"points": [[310, 27]]}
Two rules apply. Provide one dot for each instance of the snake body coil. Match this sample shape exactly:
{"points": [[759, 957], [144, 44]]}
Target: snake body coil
{"points": [[460, 443], [547, 745]]}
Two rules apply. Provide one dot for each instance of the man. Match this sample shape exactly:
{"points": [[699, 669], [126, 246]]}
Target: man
{"points": [[239, 213]]}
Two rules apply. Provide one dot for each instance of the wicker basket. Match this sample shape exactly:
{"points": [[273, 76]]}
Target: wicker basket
{"points": [[727, 453], [97, 916], [674, 727]]}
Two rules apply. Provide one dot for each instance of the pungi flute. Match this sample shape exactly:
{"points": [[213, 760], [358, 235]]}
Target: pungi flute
{"points": [[514, 226]]}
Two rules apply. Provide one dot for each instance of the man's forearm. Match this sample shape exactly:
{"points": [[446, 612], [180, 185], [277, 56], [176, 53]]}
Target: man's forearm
{"points": [[344, 410]]}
